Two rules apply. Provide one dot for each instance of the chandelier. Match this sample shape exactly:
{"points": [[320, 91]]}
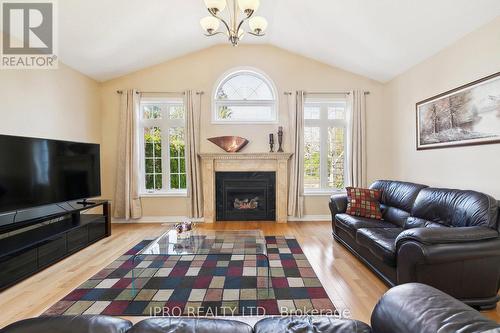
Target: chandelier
{"points": [[234, 23]]}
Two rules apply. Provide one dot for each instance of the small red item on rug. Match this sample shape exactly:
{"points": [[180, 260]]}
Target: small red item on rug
{"points": [[364, 202]]}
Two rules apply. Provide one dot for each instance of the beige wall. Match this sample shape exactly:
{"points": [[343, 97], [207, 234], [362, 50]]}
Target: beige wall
{"points": [[201, 70], [56, 104], [476, 167]]}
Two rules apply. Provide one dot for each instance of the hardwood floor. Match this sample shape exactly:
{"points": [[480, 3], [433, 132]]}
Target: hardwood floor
{"points": [[349, 283]]}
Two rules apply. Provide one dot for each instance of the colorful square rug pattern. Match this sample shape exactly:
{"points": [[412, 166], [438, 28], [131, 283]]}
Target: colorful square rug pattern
{"points": [[200, 285]]}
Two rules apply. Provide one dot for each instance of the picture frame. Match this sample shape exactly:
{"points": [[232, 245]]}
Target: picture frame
{"points": [[464, 116]]}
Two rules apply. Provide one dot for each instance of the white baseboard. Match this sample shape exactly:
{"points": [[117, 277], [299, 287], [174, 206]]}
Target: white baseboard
{"points": [[310, 218], [158, 219], [176, 219]]}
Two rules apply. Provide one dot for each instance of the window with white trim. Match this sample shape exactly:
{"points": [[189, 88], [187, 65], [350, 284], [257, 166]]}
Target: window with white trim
{"points": [[245, 96], [162, 135], [325, 144]]}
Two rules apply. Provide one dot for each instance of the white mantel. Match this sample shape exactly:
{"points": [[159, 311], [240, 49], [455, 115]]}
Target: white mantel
{"points": [[225, 162]]}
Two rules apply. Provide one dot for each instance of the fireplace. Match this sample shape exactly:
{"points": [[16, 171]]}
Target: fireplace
{"points": [[245, 196]]}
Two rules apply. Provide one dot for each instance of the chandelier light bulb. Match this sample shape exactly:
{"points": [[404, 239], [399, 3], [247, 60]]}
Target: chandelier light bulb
{"points": [[248, 5], [258, 24], [218, 5], [210, 24]]}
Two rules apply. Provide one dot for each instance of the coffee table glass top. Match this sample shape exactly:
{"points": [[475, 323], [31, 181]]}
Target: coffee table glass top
{"points": [[208, 242]]}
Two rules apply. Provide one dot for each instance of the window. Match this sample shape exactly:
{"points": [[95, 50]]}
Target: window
{"points": [[325, 133], [164, 154], [245, 96]]}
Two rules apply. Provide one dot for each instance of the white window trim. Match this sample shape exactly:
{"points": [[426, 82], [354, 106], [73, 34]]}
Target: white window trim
{"points": [[165, 123], [324, 123], [165, 194], [261, 75]]}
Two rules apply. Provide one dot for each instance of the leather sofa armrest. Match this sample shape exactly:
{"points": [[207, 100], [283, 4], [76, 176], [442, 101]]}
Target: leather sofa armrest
{"points": [[447, 235], [74, 324], [184, 324], [300, 324], [415, 307], [338, 204]]}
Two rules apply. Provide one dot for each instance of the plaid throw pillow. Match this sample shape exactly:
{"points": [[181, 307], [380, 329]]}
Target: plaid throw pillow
{"points": [[364, 202]]}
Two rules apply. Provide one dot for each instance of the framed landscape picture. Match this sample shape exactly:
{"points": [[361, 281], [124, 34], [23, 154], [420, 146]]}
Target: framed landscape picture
{"points": [[467, 115]]}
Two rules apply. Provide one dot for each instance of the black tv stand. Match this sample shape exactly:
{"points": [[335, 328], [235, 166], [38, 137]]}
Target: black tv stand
{"points": [[50, 238], [85, 202]]}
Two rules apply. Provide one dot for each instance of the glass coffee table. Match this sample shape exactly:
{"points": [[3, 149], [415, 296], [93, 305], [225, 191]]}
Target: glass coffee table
{"points": [[204, 242]]}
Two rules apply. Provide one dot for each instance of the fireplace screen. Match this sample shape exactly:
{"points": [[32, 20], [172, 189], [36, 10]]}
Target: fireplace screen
{"points": [[245, 196]]}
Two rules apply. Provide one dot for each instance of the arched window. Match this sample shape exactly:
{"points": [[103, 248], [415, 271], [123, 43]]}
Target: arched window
{"points": [[245, 96]]}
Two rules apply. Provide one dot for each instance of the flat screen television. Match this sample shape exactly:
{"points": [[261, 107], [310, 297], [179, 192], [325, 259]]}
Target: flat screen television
{"points": [[36, 172]]}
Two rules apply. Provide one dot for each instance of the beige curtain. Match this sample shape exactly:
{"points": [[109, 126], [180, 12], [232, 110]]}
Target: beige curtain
{"points": [[127, 203], [193, 167], [296, 193], [356, 143]]}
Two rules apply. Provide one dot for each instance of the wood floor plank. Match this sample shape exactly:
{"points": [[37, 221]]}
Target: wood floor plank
{"points": [[349, 283]]}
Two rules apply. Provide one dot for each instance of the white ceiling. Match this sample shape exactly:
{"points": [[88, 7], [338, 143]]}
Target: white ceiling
{"points": [[375, 38]]}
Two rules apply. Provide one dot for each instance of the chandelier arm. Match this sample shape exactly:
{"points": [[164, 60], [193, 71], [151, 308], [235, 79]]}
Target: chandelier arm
{"points": [[254, 34], [214, 34], [249, 15], [220, 19]]}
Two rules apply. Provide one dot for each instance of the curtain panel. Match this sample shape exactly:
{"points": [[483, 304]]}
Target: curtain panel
{"points": [[296, 192], [193, 165], [356, 143], [127, 203]]}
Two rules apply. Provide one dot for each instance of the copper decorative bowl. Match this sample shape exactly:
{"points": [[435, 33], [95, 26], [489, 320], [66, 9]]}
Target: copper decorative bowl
{"points": [[230, 144]]}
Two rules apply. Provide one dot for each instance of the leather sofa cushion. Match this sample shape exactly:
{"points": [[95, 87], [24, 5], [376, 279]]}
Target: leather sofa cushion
{"points": [[306, 324], [394, 215], [415, 222], [352, 223], [398, 194], [415, 307], [70, 324], [455, 208], [381, 242], [190, 325]]}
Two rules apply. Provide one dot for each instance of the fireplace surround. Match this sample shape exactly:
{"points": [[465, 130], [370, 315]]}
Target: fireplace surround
{"points": [[213, 163]]}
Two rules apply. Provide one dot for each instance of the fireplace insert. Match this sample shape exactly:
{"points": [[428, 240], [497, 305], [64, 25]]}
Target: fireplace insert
{"points": [[245, 196]]}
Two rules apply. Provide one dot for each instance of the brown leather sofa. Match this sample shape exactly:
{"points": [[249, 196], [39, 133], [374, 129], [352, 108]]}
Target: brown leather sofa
{"points": [[409, 308], [445, 238]]}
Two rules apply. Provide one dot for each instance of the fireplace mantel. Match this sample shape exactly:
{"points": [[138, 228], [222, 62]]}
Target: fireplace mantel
{"points": [[245, 162], [242, 156]]}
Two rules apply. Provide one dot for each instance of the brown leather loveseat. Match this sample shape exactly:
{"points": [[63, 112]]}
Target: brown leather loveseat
{"points": [[445, 238]]}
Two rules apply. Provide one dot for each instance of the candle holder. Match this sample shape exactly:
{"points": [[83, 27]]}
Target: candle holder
{"points": [[280, 139], [271, 143]]}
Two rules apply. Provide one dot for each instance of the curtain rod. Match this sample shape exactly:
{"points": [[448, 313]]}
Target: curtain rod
{"points": [[331, 92], [326, 93], [155, 92], [162, 92]]}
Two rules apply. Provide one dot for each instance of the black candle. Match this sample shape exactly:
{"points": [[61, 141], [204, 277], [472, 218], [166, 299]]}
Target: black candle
{"points": [[271, 138]]}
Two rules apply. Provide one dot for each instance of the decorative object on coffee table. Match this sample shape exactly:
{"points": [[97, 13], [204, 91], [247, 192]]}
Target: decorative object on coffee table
{"points": [[184, 229], [280, 139], [230, 144], [467, 115], [271, 143]]}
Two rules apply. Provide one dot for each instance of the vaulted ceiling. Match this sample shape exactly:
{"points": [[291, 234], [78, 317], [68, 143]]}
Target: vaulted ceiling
{"points": [[375, 38]]}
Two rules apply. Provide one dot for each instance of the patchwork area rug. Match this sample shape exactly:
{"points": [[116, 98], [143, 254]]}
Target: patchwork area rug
{"points": [[202, 285]]}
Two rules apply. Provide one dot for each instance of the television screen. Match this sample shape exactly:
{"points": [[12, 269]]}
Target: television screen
{"points": [[36, 172]]}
